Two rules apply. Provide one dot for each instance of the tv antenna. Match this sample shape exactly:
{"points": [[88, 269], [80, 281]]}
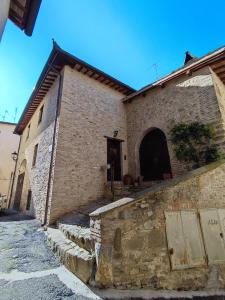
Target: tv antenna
{"points": [[3, 116], [15, 114], [155, 68]]}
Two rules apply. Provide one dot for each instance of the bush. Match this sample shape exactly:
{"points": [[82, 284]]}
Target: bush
{"points": [[193, 143]]}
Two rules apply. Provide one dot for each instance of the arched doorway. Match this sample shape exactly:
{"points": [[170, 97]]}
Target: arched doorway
{"points": [[19, 186], [154, 156]]}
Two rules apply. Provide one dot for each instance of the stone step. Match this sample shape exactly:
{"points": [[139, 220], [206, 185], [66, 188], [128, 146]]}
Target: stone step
{"points": [[81, 236], [76, 259]]}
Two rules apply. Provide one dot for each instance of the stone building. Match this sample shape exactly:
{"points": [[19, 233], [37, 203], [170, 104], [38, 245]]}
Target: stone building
{"points": [[81, 128], [77, 116], [8, 145]]}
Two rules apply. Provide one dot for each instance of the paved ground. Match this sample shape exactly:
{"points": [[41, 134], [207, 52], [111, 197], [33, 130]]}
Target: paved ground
{"points": [[30, 271], [28, 268]]}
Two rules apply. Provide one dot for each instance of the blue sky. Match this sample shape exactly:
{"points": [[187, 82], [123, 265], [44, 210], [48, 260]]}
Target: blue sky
{"points": [[135, 41]]}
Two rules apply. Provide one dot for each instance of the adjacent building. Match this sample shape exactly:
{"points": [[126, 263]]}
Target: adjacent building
{"points": [[81, 124], [9, 143], [22, 13]]}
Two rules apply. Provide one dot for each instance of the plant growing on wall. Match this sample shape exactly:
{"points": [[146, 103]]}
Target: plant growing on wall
{"points": [[193, 143]]}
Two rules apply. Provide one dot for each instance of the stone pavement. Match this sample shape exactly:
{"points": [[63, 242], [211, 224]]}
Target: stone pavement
{"points": [[30, 271], [28, 268]]}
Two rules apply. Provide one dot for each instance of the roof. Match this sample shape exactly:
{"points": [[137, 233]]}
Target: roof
{"points": [[23, 13], [215, 59], [58, 58]]}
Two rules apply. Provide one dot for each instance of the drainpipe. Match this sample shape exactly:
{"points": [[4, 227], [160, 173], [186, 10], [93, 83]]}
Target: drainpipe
{"points": [[14, 174], [53, 144]]}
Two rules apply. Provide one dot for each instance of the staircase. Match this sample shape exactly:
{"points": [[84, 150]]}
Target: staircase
{"points": [[71, 238], [121, 190], [79, 260], [71, 241]]}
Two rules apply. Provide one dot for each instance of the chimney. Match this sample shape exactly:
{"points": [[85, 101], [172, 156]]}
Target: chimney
{"points": [[189, 58]]}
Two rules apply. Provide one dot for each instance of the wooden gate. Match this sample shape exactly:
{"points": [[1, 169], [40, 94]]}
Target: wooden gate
{"points": [[19, 189]]}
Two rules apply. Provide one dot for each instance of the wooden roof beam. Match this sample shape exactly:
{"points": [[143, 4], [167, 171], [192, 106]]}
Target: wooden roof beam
{"points": [[218, 64], [83, 70], [18, 4], [101, 79], [220, 69], [90, 73], [96, 76]]}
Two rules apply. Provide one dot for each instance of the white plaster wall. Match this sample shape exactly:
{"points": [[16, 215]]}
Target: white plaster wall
{"points": [[8, 144], [4, 10]]}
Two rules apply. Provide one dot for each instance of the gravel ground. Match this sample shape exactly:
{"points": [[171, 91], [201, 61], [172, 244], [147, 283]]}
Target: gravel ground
{"points": [[47, 287], [28, 269], [22, 248]]}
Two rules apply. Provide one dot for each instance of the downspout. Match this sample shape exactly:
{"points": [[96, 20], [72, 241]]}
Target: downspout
{"points": [[14, 174], [53, 145]]}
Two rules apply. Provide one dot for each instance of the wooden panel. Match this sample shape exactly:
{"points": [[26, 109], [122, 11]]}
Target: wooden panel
{"points": [[193, 238], [176, 242], [221, 213], [213, 236]]}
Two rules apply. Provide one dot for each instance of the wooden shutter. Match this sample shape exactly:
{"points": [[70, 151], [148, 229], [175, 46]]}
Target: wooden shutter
{"points": [[193, 238], [212, 222], [176, 243], [184, 239]]}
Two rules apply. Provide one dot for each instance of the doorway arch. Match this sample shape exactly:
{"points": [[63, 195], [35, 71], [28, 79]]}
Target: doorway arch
{"points": [[154, 156], [19, 186]]}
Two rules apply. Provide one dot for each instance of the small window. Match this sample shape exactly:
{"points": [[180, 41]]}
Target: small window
{"points": [[40, 114], [29, 197], [28, 132], [35, 155]]}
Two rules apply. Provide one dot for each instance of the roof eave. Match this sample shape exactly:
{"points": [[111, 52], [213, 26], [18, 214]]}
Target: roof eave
{"points": [[30, 12], [40, 79], [202, 62], [67, 59], [32, 16]]}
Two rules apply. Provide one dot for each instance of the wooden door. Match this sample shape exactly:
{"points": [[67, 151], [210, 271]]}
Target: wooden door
{"points": [[19, 189], [114, 159]]}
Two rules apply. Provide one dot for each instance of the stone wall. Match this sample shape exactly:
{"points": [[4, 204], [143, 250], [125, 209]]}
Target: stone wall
{"points": [[185, 99], [131, 241], [220, 93], [90, 111], [36, 177]]}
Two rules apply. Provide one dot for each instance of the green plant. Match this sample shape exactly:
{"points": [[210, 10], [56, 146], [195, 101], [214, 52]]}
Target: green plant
{"points": [[193, 143]]}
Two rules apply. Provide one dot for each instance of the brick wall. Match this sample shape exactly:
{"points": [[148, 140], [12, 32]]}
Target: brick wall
{"points": [[89, 112], [134, 252], [186, 99]]}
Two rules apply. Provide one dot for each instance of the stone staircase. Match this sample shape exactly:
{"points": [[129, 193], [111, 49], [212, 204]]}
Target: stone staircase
{"points": [[71, 238], [79, 260], [121, 190], [71, 241]]}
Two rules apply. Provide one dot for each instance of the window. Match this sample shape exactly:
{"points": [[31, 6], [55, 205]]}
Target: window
{"points": [[29, 197], [28, 132], [35, 155], [40, 114]]}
